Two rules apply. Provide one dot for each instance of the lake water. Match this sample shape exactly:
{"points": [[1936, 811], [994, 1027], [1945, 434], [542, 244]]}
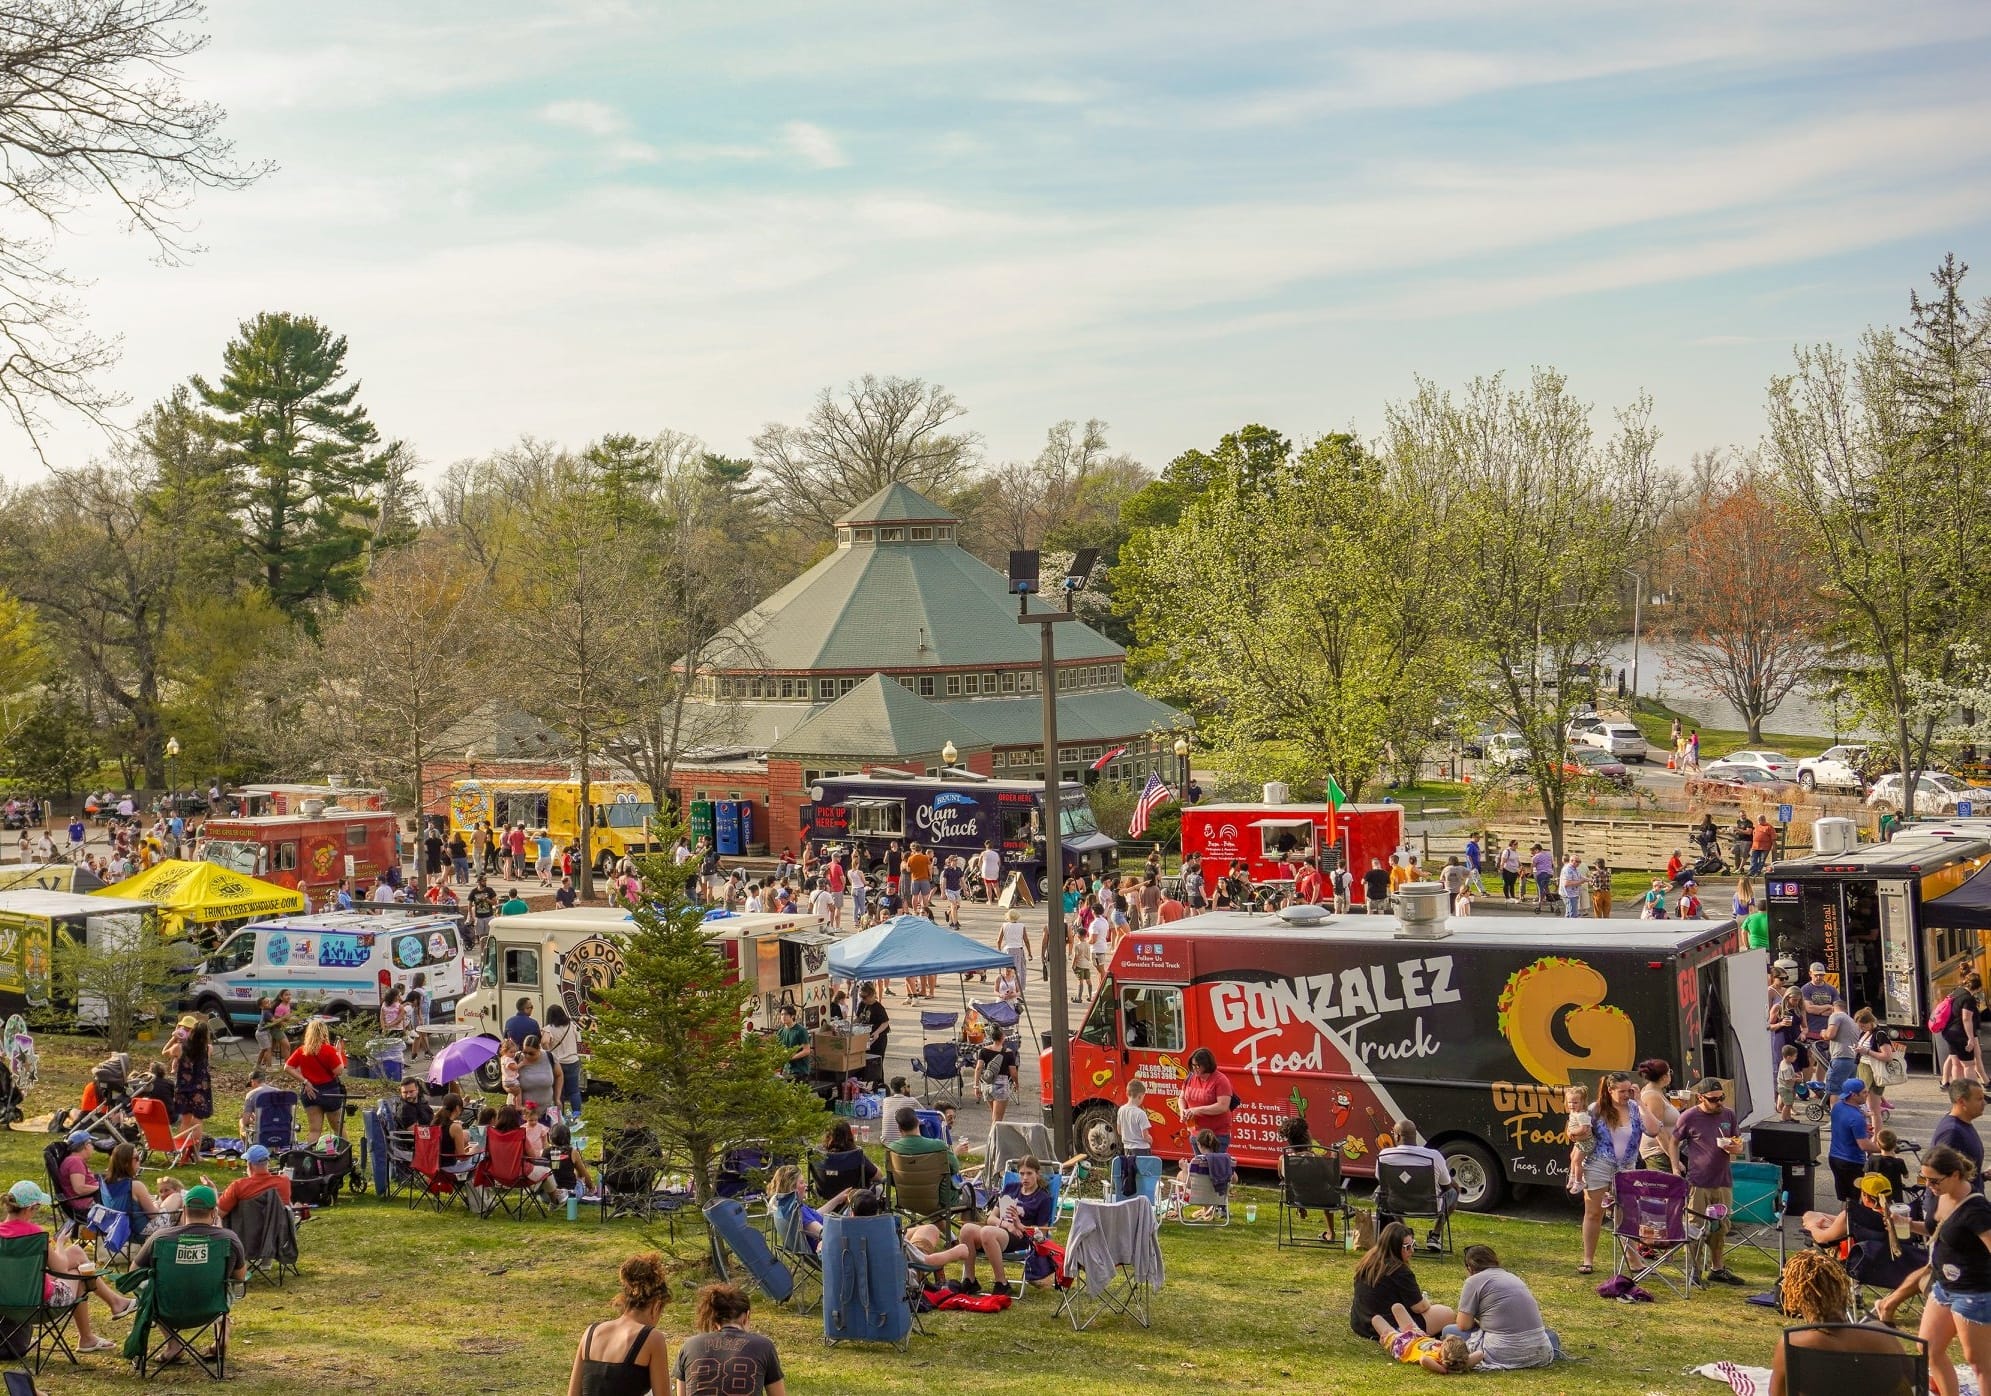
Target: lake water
{"points": [[1802, 714]]}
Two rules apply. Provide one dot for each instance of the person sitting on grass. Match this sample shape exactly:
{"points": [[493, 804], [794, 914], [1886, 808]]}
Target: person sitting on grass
{"points": [[1815, 1289], [64, 1283], [1499, 1315], [571, 1173], [626, 1354], [1383, 1279], [1407, 1342], [722, 1358]]}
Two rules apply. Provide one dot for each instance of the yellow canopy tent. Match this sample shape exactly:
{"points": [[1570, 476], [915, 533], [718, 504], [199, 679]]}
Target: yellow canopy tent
{"points": [[192, 895]]}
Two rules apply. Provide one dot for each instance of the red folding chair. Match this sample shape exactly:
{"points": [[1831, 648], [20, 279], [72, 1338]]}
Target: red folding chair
{"points": [[157, 1127], [441, 1183], [509, 1174]]}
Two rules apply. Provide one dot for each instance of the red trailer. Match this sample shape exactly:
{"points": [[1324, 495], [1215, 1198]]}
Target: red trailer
{"points": [[308, 852], [1266, 834]]}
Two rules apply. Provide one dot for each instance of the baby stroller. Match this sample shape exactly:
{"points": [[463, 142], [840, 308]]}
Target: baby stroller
{"points": [[105, 1108], [20, 1068]]}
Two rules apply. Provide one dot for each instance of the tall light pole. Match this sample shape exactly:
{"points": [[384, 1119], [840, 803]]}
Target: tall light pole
{"points": [[172, 755], [1023, 583], [1638, 599], [949, 755], [1182, 770]]}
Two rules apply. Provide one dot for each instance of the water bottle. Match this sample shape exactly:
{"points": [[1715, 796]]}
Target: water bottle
{"points": [[573, 1207]]}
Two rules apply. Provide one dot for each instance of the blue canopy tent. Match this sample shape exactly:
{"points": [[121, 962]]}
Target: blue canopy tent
{"points": [[906, 946]]}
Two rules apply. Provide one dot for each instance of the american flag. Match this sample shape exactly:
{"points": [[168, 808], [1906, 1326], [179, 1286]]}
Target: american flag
{"points": [[1153, 795]]}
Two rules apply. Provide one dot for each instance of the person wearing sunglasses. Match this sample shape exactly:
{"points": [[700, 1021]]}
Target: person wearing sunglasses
{"points": [[1959, 1299], [1384, 1279], [1710, 1139]]}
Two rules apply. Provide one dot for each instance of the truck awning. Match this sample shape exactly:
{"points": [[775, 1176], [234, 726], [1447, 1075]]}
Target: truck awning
{"points": [[870, 802], [1963, 908], [1283, 824]]}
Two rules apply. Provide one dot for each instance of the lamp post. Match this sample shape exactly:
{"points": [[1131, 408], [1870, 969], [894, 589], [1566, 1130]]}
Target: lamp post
{"points": [[172, 755], [948, 755], [1023, 584], [1182, 770]]}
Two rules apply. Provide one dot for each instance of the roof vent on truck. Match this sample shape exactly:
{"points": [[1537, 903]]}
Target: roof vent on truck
{"points": [[1303, 915], [1421, 908]]}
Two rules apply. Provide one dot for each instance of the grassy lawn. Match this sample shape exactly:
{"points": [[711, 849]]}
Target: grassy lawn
{"points": [[1656, 721], [410, 1302]]}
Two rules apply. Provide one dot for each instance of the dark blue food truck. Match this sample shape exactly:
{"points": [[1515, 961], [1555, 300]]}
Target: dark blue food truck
{"points": [[950, 815]]}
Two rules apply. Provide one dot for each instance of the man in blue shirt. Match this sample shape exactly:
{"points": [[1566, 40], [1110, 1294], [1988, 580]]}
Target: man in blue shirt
{"points": [[1474, 857], [521, 1024], [1958, 1128], [1852, 1138]]}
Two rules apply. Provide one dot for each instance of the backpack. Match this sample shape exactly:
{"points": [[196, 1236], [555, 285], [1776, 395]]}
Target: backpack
{"points": [[1939, 1021]]}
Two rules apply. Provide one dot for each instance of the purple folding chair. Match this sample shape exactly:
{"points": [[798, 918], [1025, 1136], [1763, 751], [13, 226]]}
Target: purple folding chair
{"points": [[1652, 1231]]}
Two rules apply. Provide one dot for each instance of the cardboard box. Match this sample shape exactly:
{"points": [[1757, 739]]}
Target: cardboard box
{"points": [[832, 1051]]}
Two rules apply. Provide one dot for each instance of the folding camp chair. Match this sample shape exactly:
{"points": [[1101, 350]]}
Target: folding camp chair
{"points": [[73, 1211], [1876, 1274], [1010, 1141], [791, 1247], [1312, 1184], [441, 1184], [276, 1120], [628, 1170], [29, 1322], [506, 1173], [1756, 1215], [933, 1125], [1207, 1193], [1137, 1175], [157, 1130], [1410, 1192], [743, 1176], [939, 1067], [866, 1282], [112, 1230], [269, 1236], [1113, 1261], [1650, 1230], [920, 1184], [1810, 1371], [190, 1301], [221, 1037], [752, 1261], [844, 1171], [392, 1152]]}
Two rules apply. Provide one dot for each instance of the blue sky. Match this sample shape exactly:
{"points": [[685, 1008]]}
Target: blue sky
{"points": [[567, 219]]}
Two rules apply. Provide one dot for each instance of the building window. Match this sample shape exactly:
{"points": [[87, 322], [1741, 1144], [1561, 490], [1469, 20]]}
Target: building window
{"points": [[862, 535], [922, 535], [944, 531], [988, 683], [844, 686], [953, 685], [1008, 681], [788, 688], [926, 685], [891, 535], [1064, 680], [1026, 681], [843, 535], [826, 688]]}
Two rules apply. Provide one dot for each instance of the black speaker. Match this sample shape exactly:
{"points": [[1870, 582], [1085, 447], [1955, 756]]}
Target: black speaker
{"points": [[1784, 1141]]}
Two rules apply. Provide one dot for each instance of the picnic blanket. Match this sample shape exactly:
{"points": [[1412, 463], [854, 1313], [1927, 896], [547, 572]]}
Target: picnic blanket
{"points": [[1755, 1381]]}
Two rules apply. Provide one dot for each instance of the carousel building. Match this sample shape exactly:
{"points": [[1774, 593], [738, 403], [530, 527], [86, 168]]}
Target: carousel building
{"points": [[896, 646]]}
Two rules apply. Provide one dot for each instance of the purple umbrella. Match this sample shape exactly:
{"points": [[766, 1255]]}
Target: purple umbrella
{"points": [[462, 1058]]}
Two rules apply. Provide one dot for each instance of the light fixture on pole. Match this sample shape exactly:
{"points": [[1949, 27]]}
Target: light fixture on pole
{"points": [[1024, 566], [172, 755], [948, 755], [1638, 599]]}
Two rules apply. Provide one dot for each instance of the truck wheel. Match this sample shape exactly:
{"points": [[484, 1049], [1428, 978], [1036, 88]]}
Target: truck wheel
{"points": [[211, 1005], [1481, 1184], [605, 864], [1092, 1130], [489, 1078], [1807, 780]]}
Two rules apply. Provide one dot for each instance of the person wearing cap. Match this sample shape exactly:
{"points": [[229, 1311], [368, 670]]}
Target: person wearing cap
{"points": [[1820, 997], [78, 1185], [255, 1181], [1710, 1139], [1851, 1141], [1865, 1221], [64, 1281], [200, 1203]]}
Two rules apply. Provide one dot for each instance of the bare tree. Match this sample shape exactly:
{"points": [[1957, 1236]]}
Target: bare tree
{"points": [[91, 109], [882, 431], [1018, 503], [403, 668]]}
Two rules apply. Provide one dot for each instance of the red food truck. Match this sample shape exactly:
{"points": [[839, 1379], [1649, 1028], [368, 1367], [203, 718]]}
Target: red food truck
{"points": [[1472, 1027], [309, 852], [1265, 835]]}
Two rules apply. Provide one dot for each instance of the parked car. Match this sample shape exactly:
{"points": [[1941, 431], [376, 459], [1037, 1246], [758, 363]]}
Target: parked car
{"points": [[1721, 781], [1588, 761], [1612, 735], [1936, 792], [1771, 763], [1507, 749], [1835, 768]]}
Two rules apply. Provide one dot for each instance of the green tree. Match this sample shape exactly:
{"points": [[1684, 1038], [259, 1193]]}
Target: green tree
{"points": [[302, 453], [1539, 522], [668, 1037], [1300, 611], [24, 653], [126, 977], [52, 749], [1248, 457], [221, 656]]}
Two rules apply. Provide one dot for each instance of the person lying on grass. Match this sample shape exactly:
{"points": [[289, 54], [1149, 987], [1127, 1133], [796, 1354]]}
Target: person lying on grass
{"points": [[1408, 1342]]}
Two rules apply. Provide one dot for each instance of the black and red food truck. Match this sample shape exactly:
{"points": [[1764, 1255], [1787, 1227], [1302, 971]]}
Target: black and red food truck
{"points": [[1472, 1027]]}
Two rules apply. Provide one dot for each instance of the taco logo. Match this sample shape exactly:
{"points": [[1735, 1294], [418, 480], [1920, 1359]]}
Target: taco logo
{"points": [[1553, 1015]]}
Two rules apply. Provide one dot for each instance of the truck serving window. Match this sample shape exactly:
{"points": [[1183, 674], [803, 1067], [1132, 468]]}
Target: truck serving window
{"points": [[1152, 1015], [878, 818], [286, 857], [1100, 1025], [522, 967], [356, 836]]}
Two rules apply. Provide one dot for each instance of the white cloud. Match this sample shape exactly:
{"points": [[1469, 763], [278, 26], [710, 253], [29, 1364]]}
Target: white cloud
{"points": [[586, 116], [812, 144]]}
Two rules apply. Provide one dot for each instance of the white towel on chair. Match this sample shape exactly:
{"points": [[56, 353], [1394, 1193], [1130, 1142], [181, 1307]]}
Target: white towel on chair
{"points": [[1107, 1235]]}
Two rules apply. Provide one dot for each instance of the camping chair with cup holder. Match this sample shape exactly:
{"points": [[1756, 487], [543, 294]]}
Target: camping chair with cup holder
{"points": [[190, 1294], [31, 1324], [505, 1173], [276, 1120], [1876, 1274], [268, 1229], [1652, 1231], [844, 1171], [939, 1068], [1810, 1371], [1756, 1213], [1112, 1262], [72, 1212], [441, 1185], [1410, 1192], [390, 1152], [918, 1186], [1310, 1184], [157, 1129]]}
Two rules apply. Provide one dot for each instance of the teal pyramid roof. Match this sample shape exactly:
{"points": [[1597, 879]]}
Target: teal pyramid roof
{"points": [[880, 717]]}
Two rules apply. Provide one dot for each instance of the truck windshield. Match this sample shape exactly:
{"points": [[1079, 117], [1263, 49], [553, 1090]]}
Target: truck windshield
{"points": [[244, 858], [630, 816], [1075, 816]]}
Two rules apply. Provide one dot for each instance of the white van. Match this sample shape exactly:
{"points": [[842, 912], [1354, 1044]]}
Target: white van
{"points": [[337, 960]]}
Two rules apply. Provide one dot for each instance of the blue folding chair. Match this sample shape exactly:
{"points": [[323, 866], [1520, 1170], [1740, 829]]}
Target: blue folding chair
{"points": [[753, 1260], [933, 1125], [939, 1066], [276, 1120], [1000, 1012], [866, 1281]]}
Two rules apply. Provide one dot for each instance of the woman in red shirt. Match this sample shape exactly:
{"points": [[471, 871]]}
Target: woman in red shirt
{"points": [[317, 1065], [1206, 1099]]}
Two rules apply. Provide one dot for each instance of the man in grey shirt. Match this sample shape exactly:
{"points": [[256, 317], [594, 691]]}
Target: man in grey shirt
{"points": [[1499, 1316], [1843, 1036]]}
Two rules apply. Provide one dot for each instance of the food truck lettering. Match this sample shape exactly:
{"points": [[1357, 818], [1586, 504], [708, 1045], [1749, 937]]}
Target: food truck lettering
{"points": [[1523, 1106], [1552, 1013], [1354, 999], [951, 818]]}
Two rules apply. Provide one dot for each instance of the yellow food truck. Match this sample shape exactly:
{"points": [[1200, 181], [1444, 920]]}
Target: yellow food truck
{"points": [[620, 824]]}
